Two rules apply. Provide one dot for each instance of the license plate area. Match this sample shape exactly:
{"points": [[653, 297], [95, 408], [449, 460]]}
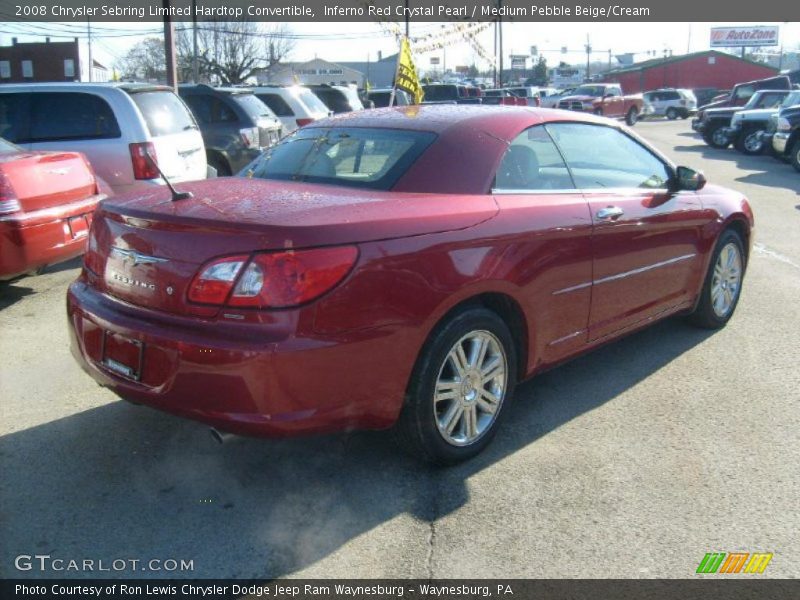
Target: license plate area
{"points": [[122, 355]]}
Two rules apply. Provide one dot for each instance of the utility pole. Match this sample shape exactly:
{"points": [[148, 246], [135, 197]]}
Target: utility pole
{"points": [[495, 56], [169, 48], [588, 56], [500, 39], [408, 21], [91, 61], [195, 65]]}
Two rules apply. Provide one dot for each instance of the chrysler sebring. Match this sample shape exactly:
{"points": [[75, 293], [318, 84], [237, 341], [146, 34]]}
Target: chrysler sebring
{"points": [[402, 268]]}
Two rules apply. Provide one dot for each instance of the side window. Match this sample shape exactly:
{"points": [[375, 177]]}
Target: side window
{"points": [[12, 117], [201, 107], [532, 162], [603, 157], [223, 113], [613, 91], [743, 92], [71, 116], [277, 104]]}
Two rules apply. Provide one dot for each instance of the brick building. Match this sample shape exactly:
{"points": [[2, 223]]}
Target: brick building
{"points": [[48, 61]]}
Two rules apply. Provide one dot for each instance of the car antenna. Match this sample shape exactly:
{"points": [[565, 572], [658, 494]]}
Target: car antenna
{"points": [[176, 195]]}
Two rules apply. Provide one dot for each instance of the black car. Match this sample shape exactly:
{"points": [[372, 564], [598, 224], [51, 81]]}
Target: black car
{"points": [[786, 138], [382, 97], [715, 124], [236, 125], [448, 93], [338, 98]]}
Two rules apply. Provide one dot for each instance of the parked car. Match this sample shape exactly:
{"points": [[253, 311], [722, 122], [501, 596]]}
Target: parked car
{"points": [[706, 95], [376, 277], [740, 95], [503, 97], [669, 103], [749, 126], [337, 98], [552, 99], [448, 93], [786, 139], [46, 205], [473, 91], [295, 105], [236, 126], [382, 97], [531, 94], [114, 125], [715, 123], [604, 99]]}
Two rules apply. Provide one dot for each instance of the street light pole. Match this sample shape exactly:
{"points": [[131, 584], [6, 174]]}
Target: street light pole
{"points": [[169, 48]]}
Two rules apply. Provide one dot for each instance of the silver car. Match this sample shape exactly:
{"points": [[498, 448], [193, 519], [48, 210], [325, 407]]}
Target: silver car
{"points": [[669, 103], [115, 125]]}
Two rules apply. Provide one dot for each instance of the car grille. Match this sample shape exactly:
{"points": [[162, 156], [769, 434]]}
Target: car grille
{"points": [[268, 137], [571, 104]]}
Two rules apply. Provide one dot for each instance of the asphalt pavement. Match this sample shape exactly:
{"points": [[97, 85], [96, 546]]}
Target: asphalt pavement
{"points": [[633, 461]]}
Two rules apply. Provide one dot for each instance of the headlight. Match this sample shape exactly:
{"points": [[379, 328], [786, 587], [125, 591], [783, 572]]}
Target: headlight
{"points": [[783, 124]]}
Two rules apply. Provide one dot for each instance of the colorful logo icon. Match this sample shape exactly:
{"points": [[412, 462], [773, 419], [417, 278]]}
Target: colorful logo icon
{"points": [[734, 562]]}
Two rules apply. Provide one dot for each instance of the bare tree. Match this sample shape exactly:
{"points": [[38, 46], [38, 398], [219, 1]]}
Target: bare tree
{"points": [[145, 61]]}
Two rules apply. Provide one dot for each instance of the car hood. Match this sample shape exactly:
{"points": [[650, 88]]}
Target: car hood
{"points": [[297, 214], [721, 112]]}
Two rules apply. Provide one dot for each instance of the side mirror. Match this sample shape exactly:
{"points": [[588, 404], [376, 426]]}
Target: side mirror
{"points": [[689, 179]]}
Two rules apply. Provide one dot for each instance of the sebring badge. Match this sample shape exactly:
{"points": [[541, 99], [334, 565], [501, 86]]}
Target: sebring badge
{"points": [[137, 283], [135, 258]]}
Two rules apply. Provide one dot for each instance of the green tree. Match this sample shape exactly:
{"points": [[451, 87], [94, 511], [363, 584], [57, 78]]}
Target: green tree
{"points": [[540, 71]]}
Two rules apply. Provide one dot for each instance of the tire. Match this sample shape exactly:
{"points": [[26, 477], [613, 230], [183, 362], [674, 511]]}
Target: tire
{"points": [[632, 117], [747, 142], [422, 428], [794, 157], [684, 114], [714, 138], [672, 114], [598, 112], [221, 165], [717, 302]]}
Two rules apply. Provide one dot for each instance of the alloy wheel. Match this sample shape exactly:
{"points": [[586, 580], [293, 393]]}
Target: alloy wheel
{"points": [[726, 280], [470, 388]]}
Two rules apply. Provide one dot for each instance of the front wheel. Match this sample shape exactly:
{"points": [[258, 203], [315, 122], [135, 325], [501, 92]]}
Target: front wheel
{"points": [[715, 137], [749, 142], [672, 114], [723, 283], [460, 387], [632, 116]]}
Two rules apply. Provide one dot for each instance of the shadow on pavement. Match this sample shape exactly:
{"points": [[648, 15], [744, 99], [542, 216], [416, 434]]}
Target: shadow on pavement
{"points": [[126, 481], [15, 289]]}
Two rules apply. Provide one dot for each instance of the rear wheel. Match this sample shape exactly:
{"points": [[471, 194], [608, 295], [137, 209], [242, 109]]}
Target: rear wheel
{"points": [[632, 116], [460, 387], [220, 165], [598, 112], [749, 142], [672, 114], [723, 283], [714, 136]]}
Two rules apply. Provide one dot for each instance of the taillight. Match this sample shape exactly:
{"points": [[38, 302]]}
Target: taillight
{"points": [[9, 203], [304, 122], [273, 279], [143, 167], [249, 137], [91, 258], [214, 283], [537, 101]]}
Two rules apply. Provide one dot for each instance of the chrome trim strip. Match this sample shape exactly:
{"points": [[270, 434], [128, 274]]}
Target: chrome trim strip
{"points": [[136, 257], [637, 271], [626, 191], [567, 337]]}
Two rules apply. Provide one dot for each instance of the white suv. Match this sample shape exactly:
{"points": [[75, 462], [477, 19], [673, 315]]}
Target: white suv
{"points": [[114, 125], [669, 103], [294, 105]]}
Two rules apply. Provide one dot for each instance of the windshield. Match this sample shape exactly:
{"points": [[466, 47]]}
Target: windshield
{"points": [[766, 100], [791, 99], [163, 112], [353, 157], [590, 90], [254, 107]]}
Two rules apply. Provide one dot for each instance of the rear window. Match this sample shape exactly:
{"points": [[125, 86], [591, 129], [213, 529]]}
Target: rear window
{"points": [[163, 112], [352, 157], [310, 101], [12, 116], [334, 100], [434, 93], [276, 104], [57, 116], [254, 107]]}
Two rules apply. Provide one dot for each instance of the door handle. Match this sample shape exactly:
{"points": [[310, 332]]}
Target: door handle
{"points": [[610, 213]]}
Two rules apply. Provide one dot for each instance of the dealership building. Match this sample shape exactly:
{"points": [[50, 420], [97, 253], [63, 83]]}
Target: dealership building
{"points": [[710, 68]]}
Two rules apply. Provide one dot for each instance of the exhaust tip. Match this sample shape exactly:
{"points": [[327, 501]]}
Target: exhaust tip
{"points": [[220, 436]]}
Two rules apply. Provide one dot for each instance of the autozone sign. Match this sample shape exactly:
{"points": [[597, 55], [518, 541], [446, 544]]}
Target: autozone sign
{"points": [[760, 35]]}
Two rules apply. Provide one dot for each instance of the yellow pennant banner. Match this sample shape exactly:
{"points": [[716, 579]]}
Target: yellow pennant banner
{"points": [[406, 78]]}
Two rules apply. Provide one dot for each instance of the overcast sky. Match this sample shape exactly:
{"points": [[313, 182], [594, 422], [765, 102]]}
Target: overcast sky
{"points": [[365, 40]]}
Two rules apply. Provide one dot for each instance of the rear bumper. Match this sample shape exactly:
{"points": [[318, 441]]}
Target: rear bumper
{"points": [[44, 237], [249, 379], [779, 142]]}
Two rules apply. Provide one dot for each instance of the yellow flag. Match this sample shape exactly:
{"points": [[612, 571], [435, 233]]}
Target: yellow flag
{"points": [[406, 77]]}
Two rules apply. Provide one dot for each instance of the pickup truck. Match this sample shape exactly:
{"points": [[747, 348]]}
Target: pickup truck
{"points": [[448, 93], [749, 126], [786, 139], [604, 99], [715, 123], [741, 94]]}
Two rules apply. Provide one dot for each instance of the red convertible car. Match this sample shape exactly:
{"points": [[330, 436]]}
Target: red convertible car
{"points": [[46, 205], [402, 267]]}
